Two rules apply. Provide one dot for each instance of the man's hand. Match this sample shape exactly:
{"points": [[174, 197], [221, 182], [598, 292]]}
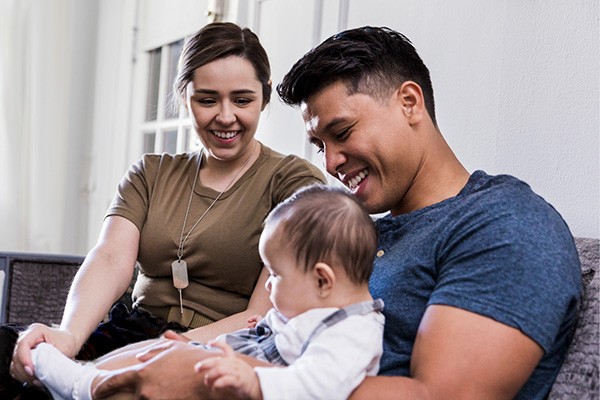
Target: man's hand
{"points": [[167, 371], [229, 376], [21, 367]]}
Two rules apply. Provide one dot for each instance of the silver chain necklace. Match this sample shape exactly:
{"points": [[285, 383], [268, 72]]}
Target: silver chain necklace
{"points": [[179, 266]]}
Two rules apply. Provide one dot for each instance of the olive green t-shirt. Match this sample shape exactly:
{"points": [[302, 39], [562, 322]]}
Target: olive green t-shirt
{"points": [[222, 250]]}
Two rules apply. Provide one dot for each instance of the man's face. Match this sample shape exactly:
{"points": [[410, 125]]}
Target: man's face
{"points": [[367, 144]]}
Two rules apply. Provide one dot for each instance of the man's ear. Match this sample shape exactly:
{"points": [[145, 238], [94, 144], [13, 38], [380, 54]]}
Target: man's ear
{"points": [[325, 278], [412, 102]]}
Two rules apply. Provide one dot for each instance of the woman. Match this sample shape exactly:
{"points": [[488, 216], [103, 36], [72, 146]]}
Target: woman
{"points": [[192, 221]]}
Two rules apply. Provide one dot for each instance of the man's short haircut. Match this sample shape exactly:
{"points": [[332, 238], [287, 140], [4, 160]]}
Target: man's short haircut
{"points": [[369, 60], [326, 224]]}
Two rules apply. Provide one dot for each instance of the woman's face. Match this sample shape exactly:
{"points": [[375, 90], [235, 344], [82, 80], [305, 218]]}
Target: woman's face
{"points": [[225, 100]]}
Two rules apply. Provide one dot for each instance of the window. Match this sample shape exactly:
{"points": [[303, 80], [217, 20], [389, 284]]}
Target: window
{"points": [[167, 126]]}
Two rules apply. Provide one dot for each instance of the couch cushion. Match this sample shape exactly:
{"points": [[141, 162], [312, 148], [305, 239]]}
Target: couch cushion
{"points": [[579, 376]]}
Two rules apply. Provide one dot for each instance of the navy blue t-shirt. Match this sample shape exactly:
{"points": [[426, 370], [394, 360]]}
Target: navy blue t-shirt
{"points": [[496, 249]]}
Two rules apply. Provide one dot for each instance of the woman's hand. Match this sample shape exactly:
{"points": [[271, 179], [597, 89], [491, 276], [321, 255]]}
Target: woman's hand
{"points": [[21, 367]]}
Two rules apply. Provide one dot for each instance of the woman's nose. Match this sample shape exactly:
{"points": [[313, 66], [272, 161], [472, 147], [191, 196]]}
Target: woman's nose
{"points": [[225, 115]]}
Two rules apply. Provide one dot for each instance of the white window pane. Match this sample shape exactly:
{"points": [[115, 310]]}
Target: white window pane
{"points": [[170, 141], [153, 84], [174, 52], [149, 141]]}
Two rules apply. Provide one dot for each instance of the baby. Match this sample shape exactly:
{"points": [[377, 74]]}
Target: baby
{"points": [[325, 329]]}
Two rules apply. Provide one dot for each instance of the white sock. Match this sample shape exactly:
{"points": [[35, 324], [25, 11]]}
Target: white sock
{"points": [[65, 378]]}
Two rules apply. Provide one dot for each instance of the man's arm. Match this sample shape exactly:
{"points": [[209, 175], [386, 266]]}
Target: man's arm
{"points": [[166, 371], [460, 355]]}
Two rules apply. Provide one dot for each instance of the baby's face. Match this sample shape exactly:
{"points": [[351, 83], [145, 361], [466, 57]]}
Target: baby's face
{"points": [[292, 291]]}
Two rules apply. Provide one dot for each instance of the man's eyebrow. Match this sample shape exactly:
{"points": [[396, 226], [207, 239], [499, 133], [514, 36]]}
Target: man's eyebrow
{"points": [[334, 123], [329, 127]]}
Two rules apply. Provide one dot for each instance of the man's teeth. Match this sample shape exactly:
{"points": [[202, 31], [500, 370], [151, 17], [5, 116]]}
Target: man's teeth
{"points": [[224, 135], [358, 179]]}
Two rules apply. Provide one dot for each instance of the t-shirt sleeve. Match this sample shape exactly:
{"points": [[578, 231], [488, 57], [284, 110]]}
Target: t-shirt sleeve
{"points": [[516, 263], [132, 197], [293, 174]]}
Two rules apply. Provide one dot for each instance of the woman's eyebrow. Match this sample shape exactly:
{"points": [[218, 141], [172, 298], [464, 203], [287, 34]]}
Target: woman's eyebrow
{"points": [[211, 91]]}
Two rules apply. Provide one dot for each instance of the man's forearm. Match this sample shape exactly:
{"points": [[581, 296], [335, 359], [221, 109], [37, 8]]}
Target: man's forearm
{"points": [[390, 387]]}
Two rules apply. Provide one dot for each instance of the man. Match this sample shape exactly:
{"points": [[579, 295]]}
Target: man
{"points": [[480, 276]]}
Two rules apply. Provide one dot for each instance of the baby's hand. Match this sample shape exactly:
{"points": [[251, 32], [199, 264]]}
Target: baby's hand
{"points": [[229, 374], [253, 320]]}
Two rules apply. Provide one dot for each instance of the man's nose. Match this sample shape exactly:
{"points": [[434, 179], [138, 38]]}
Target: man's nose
{"points": [[333, 159]]}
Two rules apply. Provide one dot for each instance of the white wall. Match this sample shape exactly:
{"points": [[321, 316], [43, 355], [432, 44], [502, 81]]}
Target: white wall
{"points": [[517, 89], [47, 66], [516, 83]]}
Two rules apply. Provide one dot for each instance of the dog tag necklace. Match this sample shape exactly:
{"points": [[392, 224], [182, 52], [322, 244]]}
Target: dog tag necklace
{"points": [[179, 267]]}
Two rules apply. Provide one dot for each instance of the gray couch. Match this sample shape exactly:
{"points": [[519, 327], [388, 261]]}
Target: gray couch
{"points": [[579, 377], [29, 298]]}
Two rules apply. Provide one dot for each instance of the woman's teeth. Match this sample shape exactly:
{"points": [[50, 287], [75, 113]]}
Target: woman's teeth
{"points": [[224, 135]]}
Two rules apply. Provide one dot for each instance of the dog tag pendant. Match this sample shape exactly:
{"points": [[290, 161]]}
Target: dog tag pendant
{"points": [[180, 278], [180, 275]]}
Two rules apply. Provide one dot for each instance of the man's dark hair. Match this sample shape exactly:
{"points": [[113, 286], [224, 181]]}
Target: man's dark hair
{"points": [[369, 60]]}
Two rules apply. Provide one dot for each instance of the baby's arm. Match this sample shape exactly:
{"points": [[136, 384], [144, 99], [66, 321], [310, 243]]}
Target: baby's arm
{"points": [[230, 374]]}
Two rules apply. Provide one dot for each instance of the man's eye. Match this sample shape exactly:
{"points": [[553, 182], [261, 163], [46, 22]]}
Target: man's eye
{"points": [[318, 145], [343, 135]]}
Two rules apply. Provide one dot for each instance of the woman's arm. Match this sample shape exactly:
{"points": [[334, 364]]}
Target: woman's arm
{"points": [[103, 277], [259, 304]]}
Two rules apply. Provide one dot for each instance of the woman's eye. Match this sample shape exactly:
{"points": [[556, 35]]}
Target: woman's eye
{"points": [[243, 101], [206, 102]]}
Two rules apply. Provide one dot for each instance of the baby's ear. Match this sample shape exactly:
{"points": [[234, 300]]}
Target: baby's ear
{"points": [[325, 278]]}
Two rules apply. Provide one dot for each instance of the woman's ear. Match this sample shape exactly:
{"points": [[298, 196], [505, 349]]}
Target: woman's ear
{"points": [[325, 278], [412, 102], [265, 103]]}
